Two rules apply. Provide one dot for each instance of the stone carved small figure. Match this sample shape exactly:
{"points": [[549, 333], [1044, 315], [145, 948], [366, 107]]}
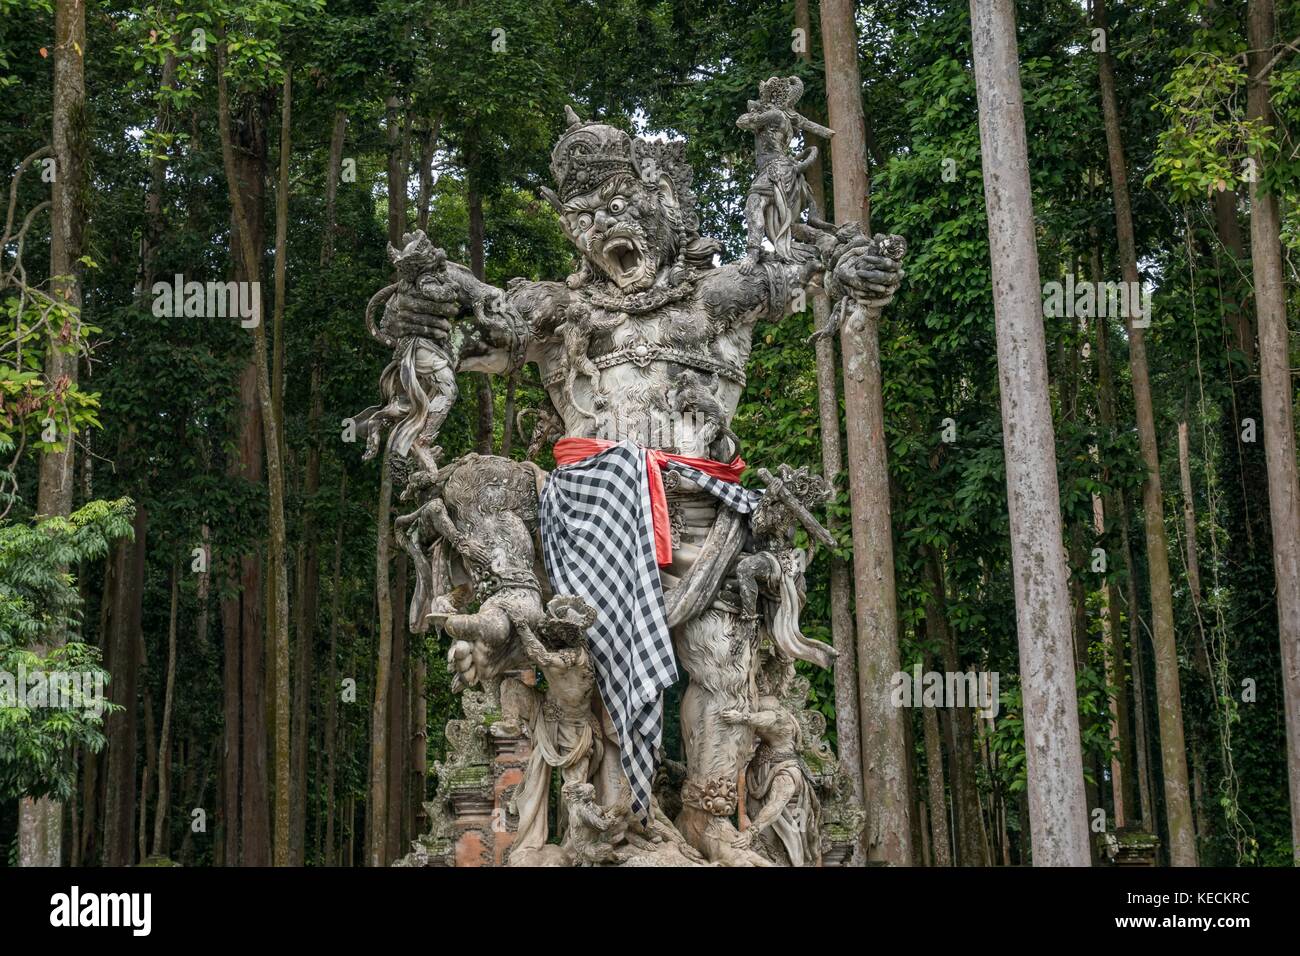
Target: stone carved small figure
{"points": [[595, 833], [419, 384], [577, 331], [776, 566], [779, 194], [695, 393], [560, 721], [482, 509], [780, 795]]}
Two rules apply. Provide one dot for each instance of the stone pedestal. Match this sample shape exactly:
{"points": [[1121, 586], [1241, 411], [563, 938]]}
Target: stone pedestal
{"points": [[510, 757]]}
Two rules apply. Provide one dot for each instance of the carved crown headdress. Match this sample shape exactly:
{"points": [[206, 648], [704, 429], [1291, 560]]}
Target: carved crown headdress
{"points": [[588, 154], [591, 153]]}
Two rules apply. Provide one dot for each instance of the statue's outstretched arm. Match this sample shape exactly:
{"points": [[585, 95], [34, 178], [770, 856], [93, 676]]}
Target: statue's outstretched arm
{"points": [[508, 320]]}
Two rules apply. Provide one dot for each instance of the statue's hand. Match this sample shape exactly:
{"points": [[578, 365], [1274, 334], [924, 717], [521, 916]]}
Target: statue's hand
{"points": [[733, 716], [424, 309], [864, 270]]}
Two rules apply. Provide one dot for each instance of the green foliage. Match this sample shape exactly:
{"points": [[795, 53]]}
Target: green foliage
{"points": [[39, 628]]}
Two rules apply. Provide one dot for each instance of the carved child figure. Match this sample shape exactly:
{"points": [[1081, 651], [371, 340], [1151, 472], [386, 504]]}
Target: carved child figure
{"points": [[776, 566], [779, 193], [595, 833], [559, 721]]}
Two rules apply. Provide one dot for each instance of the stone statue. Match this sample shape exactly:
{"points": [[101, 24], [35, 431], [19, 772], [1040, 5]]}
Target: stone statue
{"points": [[780, 793], [476, 524], [779, 194], [419, 385], [642, 352], [777, 565], [559, 721]]}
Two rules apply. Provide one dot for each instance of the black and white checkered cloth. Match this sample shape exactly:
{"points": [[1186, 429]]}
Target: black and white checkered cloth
{"points": [[598, 542]]}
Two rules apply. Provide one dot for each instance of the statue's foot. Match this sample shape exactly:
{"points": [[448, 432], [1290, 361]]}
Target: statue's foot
{"points": [[506, 728]]}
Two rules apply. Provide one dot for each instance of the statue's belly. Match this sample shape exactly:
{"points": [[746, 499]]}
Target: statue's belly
{"points": [[637, 402]]}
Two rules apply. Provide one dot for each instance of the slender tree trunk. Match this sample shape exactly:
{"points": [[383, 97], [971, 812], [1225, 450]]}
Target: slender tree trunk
{"points": [[398, 715], [231, 676], [934, 773], [120, 727], [1113, 666], [1057, 808], [428, 147], [150, 748], [337, 137], [1178, 808], [1141, 744], [165, 735], [884, 760], [275, 475], [1189, 515], [970, 839], [40, 822], [1125, 793], [378, 814], [847, 716], [485, 422], [254, 835], [1276, 397]]}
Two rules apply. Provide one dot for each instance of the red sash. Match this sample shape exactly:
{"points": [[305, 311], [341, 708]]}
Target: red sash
{"points": [[571, 450]]}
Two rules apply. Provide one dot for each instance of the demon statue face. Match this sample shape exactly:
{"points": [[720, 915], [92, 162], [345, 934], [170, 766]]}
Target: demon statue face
{"points": [[626, 204]]}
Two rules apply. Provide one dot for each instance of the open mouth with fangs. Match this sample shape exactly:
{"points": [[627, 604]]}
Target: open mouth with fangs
{"points": [[622, 259]]}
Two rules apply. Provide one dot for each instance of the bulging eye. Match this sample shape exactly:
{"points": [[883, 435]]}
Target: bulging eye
{"points": [[584, 222], [616, 206]]}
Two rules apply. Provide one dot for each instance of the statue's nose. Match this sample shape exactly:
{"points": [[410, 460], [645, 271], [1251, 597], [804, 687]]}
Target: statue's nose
{"points": [[602, 219]]}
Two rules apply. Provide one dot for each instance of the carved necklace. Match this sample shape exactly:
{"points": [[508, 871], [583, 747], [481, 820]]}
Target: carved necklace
{"points": [[641, 302]]}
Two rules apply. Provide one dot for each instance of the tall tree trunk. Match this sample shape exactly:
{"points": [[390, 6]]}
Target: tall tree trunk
{"points": [[378, 810], [279, 556], [231, 757], [1276, 396], [1189, 515], [428, 147], [1123, 780], [1178, 808], [305, 632], [1057, 809], [245, 800], [486, 419], [120, 727], [884, 760], [934, 773], [337, 137], [847, 716], [40, 822], [165, 735], [1141, 744], [398, 716], [255, 839], [150, 747]]}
